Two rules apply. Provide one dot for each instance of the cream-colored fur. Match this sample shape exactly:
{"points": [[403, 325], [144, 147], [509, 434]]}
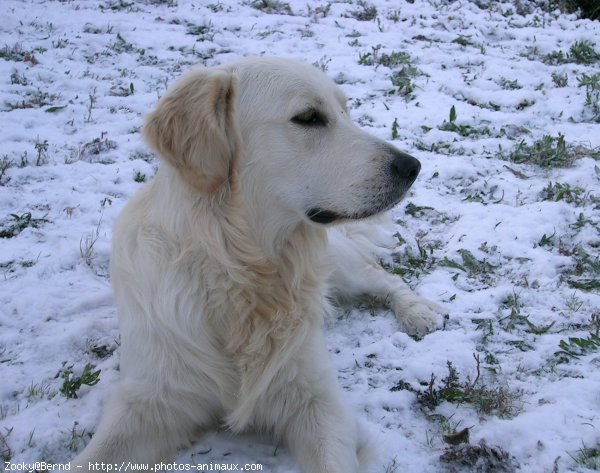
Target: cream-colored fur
{"points": [[221, 265]]}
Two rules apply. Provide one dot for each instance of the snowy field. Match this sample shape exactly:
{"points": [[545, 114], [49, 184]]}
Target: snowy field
{"points": [[500, 103]]}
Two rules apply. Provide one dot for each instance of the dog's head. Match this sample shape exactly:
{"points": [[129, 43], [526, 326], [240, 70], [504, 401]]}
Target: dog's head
{"points": [[283, 127]]}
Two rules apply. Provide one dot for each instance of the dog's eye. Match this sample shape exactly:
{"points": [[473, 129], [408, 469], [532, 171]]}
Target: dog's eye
{"points": [[310, 118]]}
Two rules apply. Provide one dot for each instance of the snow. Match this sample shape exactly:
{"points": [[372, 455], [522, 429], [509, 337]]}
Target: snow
{"points": [[106, 62]]}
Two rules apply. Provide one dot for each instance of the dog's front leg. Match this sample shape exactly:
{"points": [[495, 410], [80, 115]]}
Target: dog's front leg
{"points": [[305, 409], [322, 438], [141, 424], [356, 273]]}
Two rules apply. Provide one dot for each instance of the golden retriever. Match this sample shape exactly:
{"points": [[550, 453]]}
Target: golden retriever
{"points": [[222, 265]]}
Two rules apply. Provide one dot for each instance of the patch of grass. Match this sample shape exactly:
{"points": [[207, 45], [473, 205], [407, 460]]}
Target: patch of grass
{"points": [[322, 63], [586, 271], [547, 152], [79, 438], [473, 265], [11, 266], [89, 28], [479, 458], [321, 11], [101, 351], [143, 155], [18, 79], [557, 191], [485, 399], [487, 328], [439, 147], [40, 391], [592, 92], [121, 45], [582, 221], [463, 40], [72, 384], [60, 43], [554, 58], [395, 134], [366, 59], [482, 270], [92, 99], [448, 428], [41, 148], [585, 284], [391, 467], [523, 104], [463, 129], [588, 457], [116, 5], [55, 108], [515, 319], [547, 240], [576, 346], [433, 216], [33, 99], [508, 84], [5, 164], [415, 210], [486, 195], [560, 80], [394, 15], [272, 6], [583, 52], [122, 91], [18, 54], [395, 58], [92, 150], [18, 223], [87, 243], [448, 263], [391, 60], [6, 453], [574, 303], [531, 52], [580, 52], [411, 263], [204, 32], [139, 176], [403, 81], [367, 12]]}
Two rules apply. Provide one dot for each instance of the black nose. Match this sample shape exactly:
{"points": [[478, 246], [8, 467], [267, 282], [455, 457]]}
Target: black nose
{"points": [[404, 166]]}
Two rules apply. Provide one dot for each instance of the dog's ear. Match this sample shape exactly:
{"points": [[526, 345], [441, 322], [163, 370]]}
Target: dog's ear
{"points": [[194, 129]]}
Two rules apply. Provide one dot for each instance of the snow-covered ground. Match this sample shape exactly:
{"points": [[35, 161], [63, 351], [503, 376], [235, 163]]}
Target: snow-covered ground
{"points": [[509, 248]]}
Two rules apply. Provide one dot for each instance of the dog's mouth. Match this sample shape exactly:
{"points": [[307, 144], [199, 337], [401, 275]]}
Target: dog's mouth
{"points": [[325, 216], [322, 216]]}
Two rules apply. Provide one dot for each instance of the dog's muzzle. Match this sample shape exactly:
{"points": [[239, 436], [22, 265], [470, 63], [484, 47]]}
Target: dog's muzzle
{"points": [[402, 171]]}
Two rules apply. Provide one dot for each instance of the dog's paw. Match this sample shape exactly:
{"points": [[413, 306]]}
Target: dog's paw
{"points": [[418, 316]]}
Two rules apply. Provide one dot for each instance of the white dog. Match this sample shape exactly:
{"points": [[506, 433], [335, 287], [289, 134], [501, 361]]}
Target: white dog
{"points": [[221, 266]]}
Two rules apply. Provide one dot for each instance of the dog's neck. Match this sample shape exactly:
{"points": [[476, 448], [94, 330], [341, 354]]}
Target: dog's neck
{"points": [[277, 232], [234, 229]]}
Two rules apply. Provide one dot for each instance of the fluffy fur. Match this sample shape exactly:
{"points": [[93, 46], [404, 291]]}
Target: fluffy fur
{"points": [[222, 265]]}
